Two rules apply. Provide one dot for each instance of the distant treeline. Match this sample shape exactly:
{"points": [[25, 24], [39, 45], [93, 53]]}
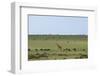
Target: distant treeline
{"points": [[46, 37]]}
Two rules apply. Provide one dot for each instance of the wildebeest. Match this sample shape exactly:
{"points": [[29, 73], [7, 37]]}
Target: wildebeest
{"points": [[44, 49]]}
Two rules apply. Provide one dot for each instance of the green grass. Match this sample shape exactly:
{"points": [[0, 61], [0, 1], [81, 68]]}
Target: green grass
{"points": [[73, 47]]}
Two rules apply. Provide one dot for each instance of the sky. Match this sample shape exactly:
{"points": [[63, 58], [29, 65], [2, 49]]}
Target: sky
{"points": [[62, 25]]}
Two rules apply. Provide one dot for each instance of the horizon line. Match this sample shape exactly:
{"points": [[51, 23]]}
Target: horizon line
{"points": [[57, 34]]}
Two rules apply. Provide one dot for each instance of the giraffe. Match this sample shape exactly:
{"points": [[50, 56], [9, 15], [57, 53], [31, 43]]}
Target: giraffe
{"points": [[59, 46]]}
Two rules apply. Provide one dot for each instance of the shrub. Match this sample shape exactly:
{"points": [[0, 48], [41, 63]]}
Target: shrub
{"points": [[36, 49], [83, 56], [74, 49], [29, 49], [83, 49]]}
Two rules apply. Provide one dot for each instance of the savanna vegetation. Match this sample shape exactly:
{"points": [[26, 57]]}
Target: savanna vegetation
{"points": [[56, 47]]}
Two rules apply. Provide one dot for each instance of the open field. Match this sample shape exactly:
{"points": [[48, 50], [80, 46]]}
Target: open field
{"points": [[55, 47]]}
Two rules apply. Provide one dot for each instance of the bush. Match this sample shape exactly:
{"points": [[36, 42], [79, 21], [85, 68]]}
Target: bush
{"points": [[74, 49], [29, 49]]}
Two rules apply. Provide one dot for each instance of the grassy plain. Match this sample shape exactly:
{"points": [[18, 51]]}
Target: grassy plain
{"points": [[56, 47]]}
